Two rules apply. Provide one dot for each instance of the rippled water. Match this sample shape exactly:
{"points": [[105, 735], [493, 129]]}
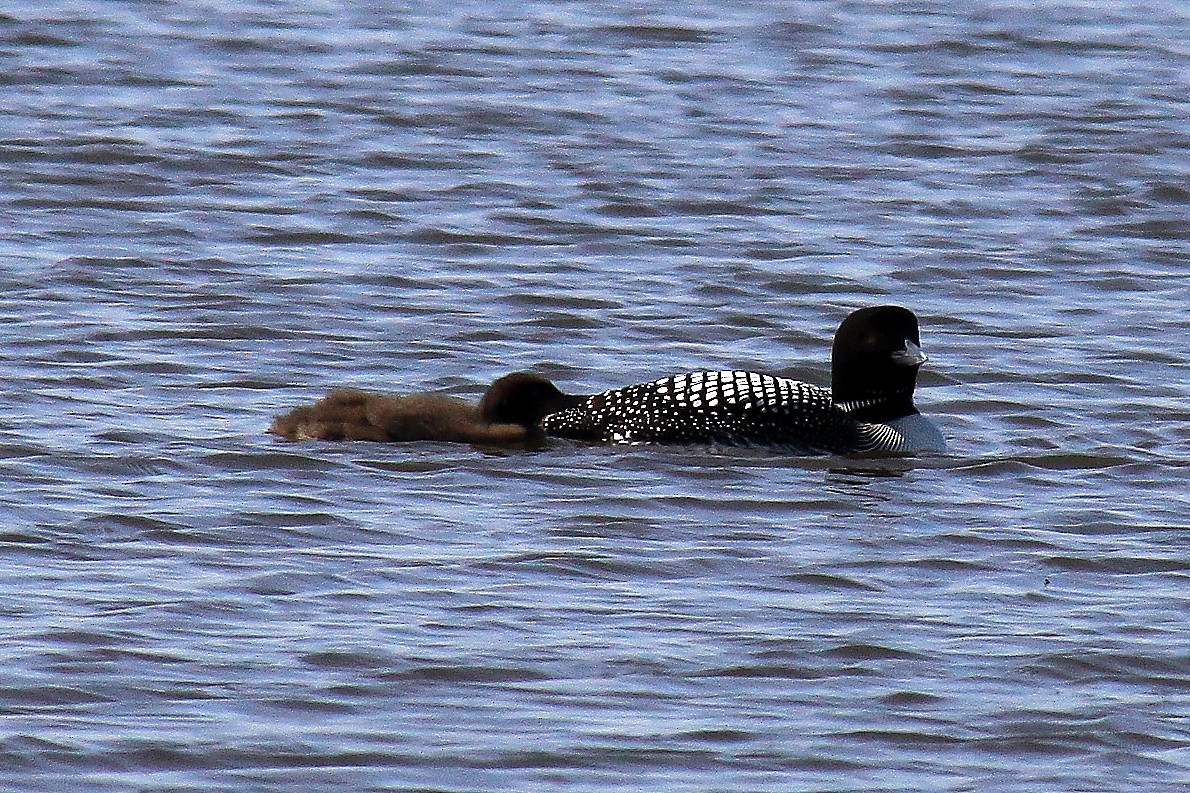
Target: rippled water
{"points": [[215, 211]]}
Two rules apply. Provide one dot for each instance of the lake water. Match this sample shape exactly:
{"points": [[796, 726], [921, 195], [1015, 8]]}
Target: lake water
{"points": [[213, 212]]}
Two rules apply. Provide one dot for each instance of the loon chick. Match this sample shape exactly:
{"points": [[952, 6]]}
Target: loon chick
{"points": [[509, 414], [869, 407]]}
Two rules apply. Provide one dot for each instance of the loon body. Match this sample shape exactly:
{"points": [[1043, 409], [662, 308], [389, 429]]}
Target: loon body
{"points": [[727, 408], [869, 407]]}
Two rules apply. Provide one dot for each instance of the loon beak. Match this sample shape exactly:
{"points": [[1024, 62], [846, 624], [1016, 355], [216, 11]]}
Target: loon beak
{"points": [[910, 356]]}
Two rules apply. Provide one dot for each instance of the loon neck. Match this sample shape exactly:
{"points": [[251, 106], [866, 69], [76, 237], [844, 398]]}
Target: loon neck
{"points": [[879, 406], [880, 391]]}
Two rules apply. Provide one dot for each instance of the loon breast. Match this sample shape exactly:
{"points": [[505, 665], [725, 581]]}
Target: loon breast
{"points": [[916, 433]]}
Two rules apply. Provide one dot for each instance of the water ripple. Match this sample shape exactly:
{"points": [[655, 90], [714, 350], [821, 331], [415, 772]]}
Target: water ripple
{"points": [[211, 218]]}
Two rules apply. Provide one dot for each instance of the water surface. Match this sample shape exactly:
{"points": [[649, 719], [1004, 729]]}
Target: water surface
{"points": [[210, 213]]}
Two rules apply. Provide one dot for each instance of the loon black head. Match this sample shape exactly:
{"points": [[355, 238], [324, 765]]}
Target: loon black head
{"points": [[523, 398], [874, 363]]}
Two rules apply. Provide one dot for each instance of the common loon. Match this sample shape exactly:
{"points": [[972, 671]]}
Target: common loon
{"points": [[509, 414], [869, 407]]}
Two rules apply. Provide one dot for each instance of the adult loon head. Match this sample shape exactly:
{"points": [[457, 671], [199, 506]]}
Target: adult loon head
{"points": [[874, 363]]}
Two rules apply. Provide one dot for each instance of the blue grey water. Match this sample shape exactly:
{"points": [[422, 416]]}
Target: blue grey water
{"points": [[213, 212]]}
